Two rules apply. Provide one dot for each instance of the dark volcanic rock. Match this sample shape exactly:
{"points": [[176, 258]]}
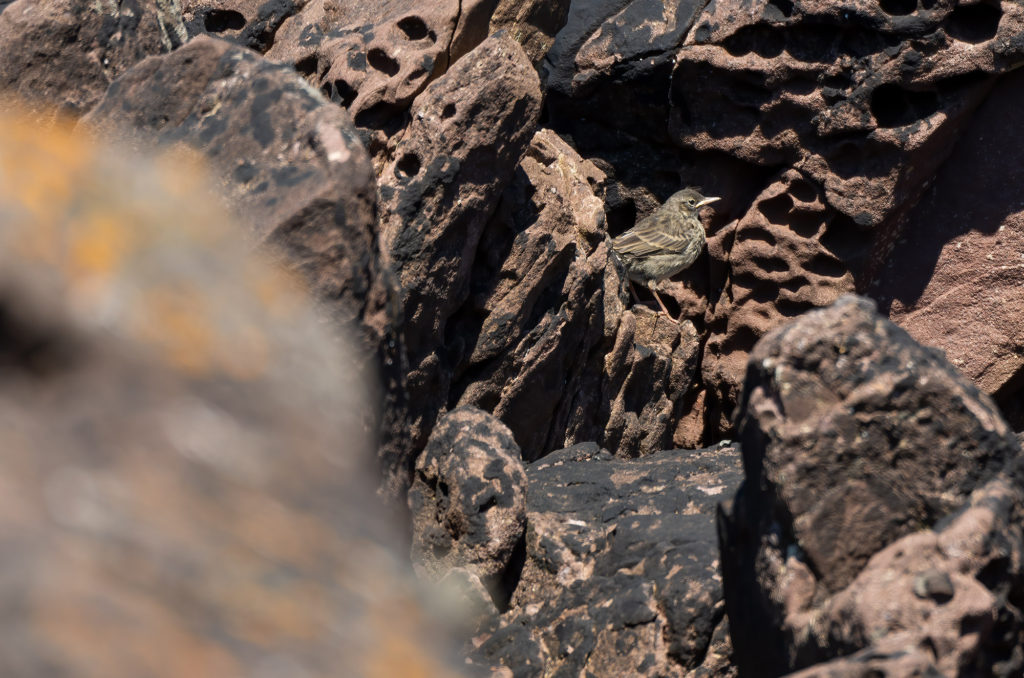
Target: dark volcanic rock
{"points": [[468, 132], [60, 55], [553, 352], [621, 571], [291, 165], [468, 498], [533, 23], [853, 436], [186, 481]]}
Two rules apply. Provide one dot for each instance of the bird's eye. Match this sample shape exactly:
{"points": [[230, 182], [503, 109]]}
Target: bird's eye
{"points": [[692, 201]]}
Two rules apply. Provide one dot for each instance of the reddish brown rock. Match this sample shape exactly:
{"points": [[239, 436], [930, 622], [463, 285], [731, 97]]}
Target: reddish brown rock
{"points": [[468, 132], [853, 436], [777, 262], [291, 165], [250, 23], [952, 592], [375, 58], [865, 100], [953, 278], [468, 498], [186, 483], [60, 55]]}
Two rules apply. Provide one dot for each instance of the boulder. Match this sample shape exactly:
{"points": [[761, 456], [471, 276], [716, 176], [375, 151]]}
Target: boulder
{"points": [[853, 437], [621, 570], [59, 56]]}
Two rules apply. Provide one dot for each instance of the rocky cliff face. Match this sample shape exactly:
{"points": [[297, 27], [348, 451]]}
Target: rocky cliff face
{"points": [[445, 177]]}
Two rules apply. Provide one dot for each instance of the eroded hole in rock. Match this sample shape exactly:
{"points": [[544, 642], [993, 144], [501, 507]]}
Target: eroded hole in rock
{"points": [[448, 111], [415, 28], [974, 23], [898, 7], [776, 210], [408, 166], [774, 7], [791, 308], [760, 39], [307, 65], [221, 20], [759, 233], [805, 224], [770, 264], [380, 60], [827, 266], [340, 92], [893, 106], [803, 191]]}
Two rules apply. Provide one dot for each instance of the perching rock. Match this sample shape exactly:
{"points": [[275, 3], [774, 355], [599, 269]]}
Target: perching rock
{"points": [[468, 132]]}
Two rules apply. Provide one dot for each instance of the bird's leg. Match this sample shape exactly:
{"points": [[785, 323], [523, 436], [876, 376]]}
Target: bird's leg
{"points": [[664, 310], [636, 298]]}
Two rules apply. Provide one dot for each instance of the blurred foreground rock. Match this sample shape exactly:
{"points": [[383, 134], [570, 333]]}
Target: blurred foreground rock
{"points": [[187, 481], [880, 508]]}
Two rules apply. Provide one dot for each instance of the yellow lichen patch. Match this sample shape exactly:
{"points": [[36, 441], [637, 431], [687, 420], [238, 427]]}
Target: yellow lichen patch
{"points": [[98, 245], [174, 321]]}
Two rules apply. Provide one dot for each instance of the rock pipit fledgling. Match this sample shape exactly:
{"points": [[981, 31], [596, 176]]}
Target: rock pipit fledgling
{"points": [[664, 242]]}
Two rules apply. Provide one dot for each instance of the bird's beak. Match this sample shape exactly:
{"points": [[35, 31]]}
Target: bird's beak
{"points": [[707, 201]]}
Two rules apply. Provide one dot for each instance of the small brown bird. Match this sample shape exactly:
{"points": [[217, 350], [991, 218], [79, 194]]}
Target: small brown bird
{"points": [[665, 242]]}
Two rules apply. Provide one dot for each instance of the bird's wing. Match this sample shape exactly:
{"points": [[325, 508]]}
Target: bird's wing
{"points": [[642, 241]]}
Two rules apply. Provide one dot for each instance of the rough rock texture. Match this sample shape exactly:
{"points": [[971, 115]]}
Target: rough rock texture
{"points": [[292, 166], [952, 593], [374, 58], [533, 23], [553, 351], [863, 100], [60, 55], [250, 23], [819, 123], [185, 480], [956, 284], [468, 498], [853, 436], [621, 569], [777, 264], [469, 130]]}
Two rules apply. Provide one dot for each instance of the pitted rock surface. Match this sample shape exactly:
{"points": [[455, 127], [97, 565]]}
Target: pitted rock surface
{"points": [[185, 475], [621, 571], [60, 55], [292, 166], [468, 498], [374, 58], [852, 436], [250, 23], [557, 356], [954, 276], [864, 99], [469, 130], [780, 260]]}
